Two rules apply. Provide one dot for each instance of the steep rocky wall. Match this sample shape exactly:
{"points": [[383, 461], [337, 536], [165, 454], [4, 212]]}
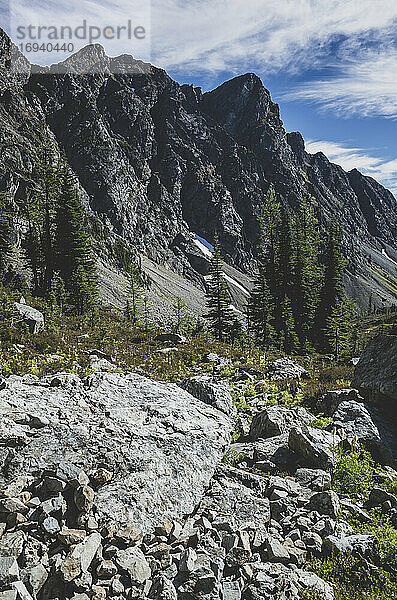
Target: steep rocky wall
{"points": [[157, 161], [376, 372]]}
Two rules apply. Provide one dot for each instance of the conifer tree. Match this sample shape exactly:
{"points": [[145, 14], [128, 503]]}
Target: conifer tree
{"points": [[289, 341], [286, 263], [261, 301], [5, 233], [74, 259], [308, 272], [260, 310], [39, 211], [338, 329], [286, 290], [181, 317], [219, 314], [335, 311], [57, 293], [134, 301]]}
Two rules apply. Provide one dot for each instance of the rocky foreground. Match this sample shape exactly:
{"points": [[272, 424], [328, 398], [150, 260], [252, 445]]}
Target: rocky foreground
{"points": [[113, 486]]}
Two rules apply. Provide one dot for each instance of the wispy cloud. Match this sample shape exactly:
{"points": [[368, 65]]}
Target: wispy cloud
{"points": [[218, 35], [214, 36], [384, 171], [226, 34], [367, 87]]}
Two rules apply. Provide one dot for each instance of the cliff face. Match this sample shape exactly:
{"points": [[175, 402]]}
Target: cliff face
{"points": [[157, 161]]}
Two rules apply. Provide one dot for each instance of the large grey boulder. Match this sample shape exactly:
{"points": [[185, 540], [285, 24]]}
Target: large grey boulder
{"points": [[286, 368], [314, 446], [32, 317], [214, 393], [237, 499], [277, 420], [330, 401], [376, 372], [358, 545], [357, 422], [160, 444], [325, 503]]}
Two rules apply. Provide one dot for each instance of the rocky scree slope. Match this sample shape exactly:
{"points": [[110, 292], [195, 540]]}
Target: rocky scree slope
{"points": [[112, 486], [157, 161]]}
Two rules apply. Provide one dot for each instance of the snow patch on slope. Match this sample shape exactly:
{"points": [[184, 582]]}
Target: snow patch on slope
{"points": [[204, 246], [385, 254], [236, 284]]}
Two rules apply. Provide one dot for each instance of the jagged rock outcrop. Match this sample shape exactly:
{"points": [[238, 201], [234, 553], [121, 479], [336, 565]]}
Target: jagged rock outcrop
{"points": [[157, 161]]}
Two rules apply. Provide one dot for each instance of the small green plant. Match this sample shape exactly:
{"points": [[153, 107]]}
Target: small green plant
{"points": [[353, 472], [354, 579], [233, 458], [321, 422]]}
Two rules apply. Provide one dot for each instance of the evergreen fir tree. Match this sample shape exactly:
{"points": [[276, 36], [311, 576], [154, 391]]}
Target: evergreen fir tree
{"points": [[134, 302], [335, 314], [5, 233], [261, 301], [308, 273], [219, 314], [181, 318], [286, 290], [289, 341], [57, 293], [287, 258], [74, 259], [39, 210], [260, 310], [146, 313], [339, 327]]}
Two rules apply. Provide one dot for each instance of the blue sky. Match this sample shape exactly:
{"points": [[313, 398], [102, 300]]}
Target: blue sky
{"points": [[330, 64]]}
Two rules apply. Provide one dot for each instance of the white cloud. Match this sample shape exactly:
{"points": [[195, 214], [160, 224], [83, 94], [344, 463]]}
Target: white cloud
{"points": [[226, 34], [233, 35], [384, 171], [213, 36], [367, 87]]}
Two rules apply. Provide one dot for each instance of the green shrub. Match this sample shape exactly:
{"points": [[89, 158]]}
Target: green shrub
{"points": [[353, 472], [354, 578], [321, 422], [386, 533]]}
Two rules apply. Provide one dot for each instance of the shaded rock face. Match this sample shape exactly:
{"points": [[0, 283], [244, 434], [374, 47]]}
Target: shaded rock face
{"points": [[375, 374], [157, 161], [210, 392], [140, 430]]}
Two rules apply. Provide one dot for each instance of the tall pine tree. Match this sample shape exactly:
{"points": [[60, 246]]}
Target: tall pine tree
{"points": [[308, 274], [134, 301], [261, 301], [38, 209], [5, 232], [335, 311], [286, 290], [74, 259], [220, 316]]}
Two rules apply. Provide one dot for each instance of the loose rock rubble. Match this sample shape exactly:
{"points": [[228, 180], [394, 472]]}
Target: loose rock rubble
{"points": [[247, 539], [112, 487]]}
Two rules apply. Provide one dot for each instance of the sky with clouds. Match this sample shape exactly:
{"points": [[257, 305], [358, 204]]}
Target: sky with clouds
{"points": [[330, 64]]}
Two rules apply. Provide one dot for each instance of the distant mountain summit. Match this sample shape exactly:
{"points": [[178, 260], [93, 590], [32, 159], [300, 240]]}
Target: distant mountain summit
{"points": [[157, 161]]}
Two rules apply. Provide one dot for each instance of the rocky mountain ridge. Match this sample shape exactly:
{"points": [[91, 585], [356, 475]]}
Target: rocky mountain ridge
{"points": [[159, 162]]}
